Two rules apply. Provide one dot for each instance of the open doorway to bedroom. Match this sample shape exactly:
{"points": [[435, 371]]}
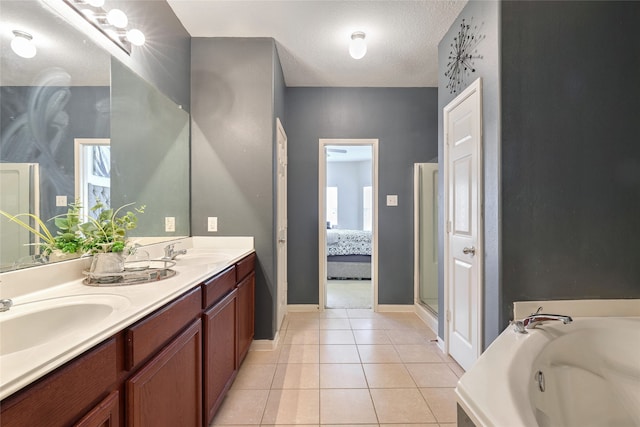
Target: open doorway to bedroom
{"points": [[348, 223]]}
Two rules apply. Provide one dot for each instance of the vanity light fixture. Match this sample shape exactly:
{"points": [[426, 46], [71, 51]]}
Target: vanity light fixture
{"points": [[358, 47], [112, 23], [22, 44]]}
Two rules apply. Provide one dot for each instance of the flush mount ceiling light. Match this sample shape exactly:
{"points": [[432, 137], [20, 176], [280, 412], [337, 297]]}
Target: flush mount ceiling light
{"points": [[22, 44], [358, 47], [113, 23]]}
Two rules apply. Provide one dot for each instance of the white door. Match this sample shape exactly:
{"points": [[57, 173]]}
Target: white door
{"points": [[19, 193], [463, 251], [281, 215]]}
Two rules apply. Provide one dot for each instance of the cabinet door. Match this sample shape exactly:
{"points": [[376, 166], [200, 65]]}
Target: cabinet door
{"points": [[105, 414], [220, 352], [167, 391], [246, 310]]}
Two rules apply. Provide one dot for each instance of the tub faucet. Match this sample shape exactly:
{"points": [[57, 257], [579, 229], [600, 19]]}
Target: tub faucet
{"points": [[170, 253], [5, 304], [537, 318]]}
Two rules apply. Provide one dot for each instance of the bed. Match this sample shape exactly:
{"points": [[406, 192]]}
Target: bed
{"points": [[348, 254]]}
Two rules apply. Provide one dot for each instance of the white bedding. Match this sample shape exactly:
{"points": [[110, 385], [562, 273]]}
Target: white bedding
{"points": [[348, 242]]}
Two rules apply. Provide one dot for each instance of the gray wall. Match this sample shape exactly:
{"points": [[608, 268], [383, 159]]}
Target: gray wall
{"points": [[404, 121], [570, 151], [484, 15], [232, 151], [350, 178]]}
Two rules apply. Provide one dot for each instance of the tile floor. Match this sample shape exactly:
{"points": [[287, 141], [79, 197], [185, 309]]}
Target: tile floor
{"points": [[346, 367]]}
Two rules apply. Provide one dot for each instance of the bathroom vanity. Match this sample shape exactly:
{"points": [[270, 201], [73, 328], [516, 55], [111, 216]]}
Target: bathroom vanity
{"points": [[168, 358]]}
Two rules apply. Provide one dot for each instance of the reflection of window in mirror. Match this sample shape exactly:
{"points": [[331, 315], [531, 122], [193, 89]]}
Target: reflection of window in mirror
{"points": [[367, 208], [93, 173], [332, 207]]}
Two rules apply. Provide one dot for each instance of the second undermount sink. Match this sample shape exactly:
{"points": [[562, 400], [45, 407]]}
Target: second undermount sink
{"points": [[35, 323], [200, 257]]}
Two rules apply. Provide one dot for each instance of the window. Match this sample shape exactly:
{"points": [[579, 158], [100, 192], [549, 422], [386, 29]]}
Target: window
{"points": [[367, 208], [332, 207], [93, 173]]}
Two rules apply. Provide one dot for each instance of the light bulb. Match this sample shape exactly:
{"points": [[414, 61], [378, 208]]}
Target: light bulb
{"points": [[22, 44], [357, 47], [96, 3], [136, 37], [117, 18]]}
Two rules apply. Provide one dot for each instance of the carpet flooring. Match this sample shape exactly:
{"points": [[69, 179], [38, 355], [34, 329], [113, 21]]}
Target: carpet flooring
{"points": [[349, 294]]}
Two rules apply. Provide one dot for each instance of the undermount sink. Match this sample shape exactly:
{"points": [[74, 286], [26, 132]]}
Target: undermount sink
{"points": [[201, 258], [35, 323]]}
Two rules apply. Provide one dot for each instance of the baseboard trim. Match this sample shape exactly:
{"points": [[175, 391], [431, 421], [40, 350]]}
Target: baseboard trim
{"points": [[427, 317], [396, 308], [302, 308], [265, 345]]}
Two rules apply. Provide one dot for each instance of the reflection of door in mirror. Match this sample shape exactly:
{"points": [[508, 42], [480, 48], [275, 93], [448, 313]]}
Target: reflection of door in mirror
{"points": [[92, 173], [19, 193]]}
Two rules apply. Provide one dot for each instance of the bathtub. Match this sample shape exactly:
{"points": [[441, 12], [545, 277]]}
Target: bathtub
{"points": [[586, 373]]}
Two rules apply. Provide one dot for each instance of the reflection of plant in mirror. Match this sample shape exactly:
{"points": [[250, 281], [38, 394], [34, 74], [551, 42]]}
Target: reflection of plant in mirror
{"points": [[108, 232], [67, 239]]}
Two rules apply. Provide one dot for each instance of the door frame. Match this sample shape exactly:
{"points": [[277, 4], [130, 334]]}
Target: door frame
{"points": [[322, 225], [281, 222], [474, 87]]}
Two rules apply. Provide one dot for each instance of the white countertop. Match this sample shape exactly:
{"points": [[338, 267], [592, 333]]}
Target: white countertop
{"points": [[54, 285]]}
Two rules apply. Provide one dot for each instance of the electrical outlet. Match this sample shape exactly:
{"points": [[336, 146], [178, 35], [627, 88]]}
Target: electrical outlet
{"points": [[212, 223], [61, 200], [169, 224]]}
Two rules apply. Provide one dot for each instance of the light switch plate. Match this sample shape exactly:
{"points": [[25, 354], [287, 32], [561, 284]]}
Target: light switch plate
{"points": [[61, 200], [169, 224], [212, 223], [392, 200]]}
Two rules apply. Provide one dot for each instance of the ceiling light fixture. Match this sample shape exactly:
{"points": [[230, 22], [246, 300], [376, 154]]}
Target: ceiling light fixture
{"points": [[113, 23], [22, 44], [358, 47], [117, 18]]}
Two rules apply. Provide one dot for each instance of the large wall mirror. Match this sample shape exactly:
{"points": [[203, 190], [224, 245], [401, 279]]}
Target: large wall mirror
{"points": [[77, 123]]}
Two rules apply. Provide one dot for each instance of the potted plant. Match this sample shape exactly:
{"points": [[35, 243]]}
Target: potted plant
{"points": [[106, 237]]}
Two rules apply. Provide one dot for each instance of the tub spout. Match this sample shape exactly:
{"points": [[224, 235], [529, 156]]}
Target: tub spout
{"points": [[538, 318]]}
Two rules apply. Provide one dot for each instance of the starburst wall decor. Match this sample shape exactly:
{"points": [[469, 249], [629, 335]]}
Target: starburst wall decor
{"points": [[462, 56]]}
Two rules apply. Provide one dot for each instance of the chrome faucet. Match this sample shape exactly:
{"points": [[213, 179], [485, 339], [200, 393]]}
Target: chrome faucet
{"points": [[537, 318], [5, 304], [170, 253]]}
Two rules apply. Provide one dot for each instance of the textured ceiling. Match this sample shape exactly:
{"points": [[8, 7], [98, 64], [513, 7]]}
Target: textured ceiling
{"points": [[313, 36]]}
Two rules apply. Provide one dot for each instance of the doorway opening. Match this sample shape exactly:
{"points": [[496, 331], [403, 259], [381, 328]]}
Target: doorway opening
{"points": [[348, 223]]}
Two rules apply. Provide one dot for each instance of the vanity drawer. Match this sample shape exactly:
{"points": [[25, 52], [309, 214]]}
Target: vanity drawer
{"points": [[245, 266], [218, 286], [148, 335], [63, 396]]}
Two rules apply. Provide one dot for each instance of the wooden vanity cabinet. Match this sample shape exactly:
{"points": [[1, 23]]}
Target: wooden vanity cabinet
{"points": [[172, 368], [105, 414], [246, 279], [65, 396], [167, 388], [246, 314], [220, 352]]}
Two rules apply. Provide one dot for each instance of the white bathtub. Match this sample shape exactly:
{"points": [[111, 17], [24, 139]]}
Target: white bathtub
{"points": [[591, 371]]}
